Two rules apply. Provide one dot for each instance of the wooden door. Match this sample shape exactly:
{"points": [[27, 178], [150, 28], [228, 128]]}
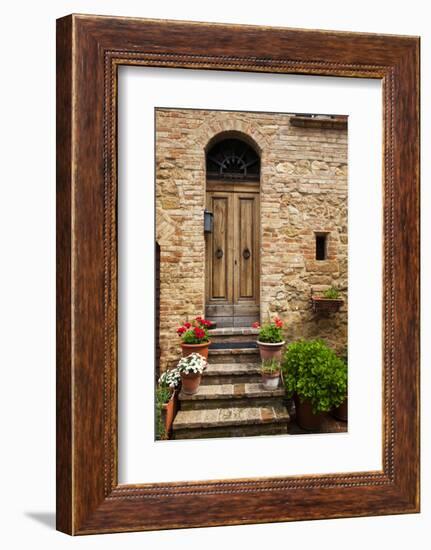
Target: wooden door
{"points": [[232, 257]]}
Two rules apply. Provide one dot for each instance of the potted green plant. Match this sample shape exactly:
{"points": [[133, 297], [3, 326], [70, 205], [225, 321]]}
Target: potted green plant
{"points": [[194, 337], [191, 368], [166, 401], [270, 372], [270, 339], [329, 302], [316, 378]]}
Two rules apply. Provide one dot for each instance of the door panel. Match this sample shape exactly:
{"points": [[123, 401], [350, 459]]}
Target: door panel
{"points": [[246, 276], [219, 256], [245, 253], [219, 259]]}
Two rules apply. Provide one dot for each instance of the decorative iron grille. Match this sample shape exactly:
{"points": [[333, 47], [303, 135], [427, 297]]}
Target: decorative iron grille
{"points": [[232, 159]]}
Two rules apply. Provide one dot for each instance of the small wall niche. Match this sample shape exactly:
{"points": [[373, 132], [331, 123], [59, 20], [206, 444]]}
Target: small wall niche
{"points": [[321, 246]]}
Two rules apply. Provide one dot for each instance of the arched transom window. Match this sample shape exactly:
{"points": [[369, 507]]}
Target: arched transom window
{"points": [[232, 159]]}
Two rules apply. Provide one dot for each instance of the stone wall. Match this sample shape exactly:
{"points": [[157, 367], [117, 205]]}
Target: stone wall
{"points": [[303, 192]]}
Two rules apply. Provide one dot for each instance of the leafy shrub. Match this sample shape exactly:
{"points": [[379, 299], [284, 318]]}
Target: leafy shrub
{"points": [[345, 355], [314, 372], [270, 332], [270, 366], [332, 293]]}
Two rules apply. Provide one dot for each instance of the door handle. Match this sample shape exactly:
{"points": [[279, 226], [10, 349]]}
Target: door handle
{"points": [[219, 253], [246, 254]]}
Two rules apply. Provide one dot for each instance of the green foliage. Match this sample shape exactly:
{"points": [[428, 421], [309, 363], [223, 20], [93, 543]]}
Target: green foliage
{"points": [[163, 395], [270, 366], [190, 337], [194, 332], [332, 293], [313, 371], [345, 356], [270, 332]]}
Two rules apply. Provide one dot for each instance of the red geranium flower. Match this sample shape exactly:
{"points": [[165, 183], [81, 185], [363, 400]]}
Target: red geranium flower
{"points": [[181, 330], [255, 325], [199, 333], [278, 322], [187, 325]]}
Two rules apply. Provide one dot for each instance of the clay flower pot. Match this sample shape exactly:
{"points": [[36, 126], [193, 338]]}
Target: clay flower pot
{"points": [[340, 412], [270, 380], [305, 417], [190, 383], [202, 349], [270, 351], [169, 410], [325, 306]]}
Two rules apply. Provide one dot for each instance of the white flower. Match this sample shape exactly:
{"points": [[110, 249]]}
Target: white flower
{"points": [[170, 378], [192, 364]]}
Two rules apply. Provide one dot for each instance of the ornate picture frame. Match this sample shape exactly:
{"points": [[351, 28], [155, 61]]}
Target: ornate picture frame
{"points": [[89, 51]]}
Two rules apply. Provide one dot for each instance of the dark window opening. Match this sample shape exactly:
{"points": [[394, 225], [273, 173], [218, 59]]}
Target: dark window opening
{"points": [[233, 159], [321, 246]]}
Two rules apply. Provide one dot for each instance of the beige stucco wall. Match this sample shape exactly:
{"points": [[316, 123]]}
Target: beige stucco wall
{"points": [[303, 191]]}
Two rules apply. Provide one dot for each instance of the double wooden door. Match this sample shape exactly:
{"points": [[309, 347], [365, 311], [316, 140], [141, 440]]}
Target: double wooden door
{"points": [[232, 257]]}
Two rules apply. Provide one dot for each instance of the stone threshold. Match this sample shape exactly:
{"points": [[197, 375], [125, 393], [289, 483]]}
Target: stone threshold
{"points": [[220, 418], [231, 391]]}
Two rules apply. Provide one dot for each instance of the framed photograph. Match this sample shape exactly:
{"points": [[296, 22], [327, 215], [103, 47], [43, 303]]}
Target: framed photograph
{"points": [[237, 274]]}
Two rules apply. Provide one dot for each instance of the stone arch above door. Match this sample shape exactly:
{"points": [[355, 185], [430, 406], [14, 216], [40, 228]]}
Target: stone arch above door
{"points": [[250, 131]]}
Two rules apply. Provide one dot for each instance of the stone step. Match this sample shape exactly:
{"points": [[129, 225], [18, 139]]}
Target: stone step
{"points": [[236, 355], [225, 396], [231, 422], [231, 373], [233, 334]]}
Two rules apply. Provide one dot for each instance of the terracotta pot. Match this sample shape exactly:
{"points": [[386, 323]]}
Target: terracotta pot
{"points": [[271, 381], [169, 411], [190, 383], [340, 412], [305, 417], [270, 351], [202, 349]]}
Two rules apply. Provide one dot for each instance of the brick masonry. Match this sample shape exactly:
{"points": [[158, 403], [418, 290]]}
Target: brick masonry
{"points": [[303, 191]]}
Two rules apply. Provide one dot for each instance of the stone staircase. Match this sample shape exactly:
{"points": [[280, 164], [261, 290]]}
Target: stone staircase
{"points": [[231, 400]]}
